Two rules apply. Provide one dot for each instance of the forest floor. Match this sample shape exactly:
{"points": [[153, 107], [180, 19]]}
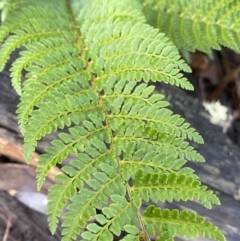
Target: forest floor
{"points": [[213, 108]]}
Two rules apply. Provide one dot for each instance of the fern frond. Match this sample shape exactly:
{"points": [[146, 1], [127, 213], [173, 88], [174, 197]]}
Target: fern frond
{"points": [[76, 141], [57, 113], [31, 30], [131, 50], [140, 57], [34, 52], [113, 219], [168, 187], [74, 177], [46, 81], [140, 104], [88, 66], [198, 25], [184, 223], [146, 132], [154, 141], [120, 212], [134, 159]]}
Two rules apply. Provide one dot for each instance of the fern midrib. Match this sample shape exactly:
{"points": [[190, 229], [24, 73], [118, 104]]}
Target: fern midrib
{"points": [[94, 160], [75, 26], [139, 118], [171, 221], [52, 66], [153, 142], [128, 188], [101, 104], [140, 163], [78, 140], [157, 56], [81, 91], [32, 35], [101, 101], [128, 37], [24, 111], [171, 186], [143, 69], [126, 96]]}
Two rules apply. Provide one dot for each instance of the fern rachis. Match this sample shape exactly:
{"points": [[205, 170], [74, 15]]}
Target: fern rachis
{"points": [[88, 67]]}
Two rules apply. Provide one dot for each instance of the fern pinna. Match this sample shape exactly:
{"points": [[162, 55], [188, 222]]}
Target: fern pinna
{"points": [[88, 64]]}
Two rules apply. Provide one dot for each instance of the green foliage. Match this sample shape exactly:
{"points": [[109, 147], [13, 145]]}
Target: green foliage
{"points": [[183, 223], [198, 24], [88, 65]]}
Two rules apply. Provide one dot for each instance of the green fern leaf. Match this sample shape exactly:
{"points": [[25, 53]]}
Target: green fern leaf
{"points": [[79, 172], [150, 109], [168, 187], [68, 144], [131, 229], [34, 51], [114, 217], [136, 58], [151, 161], [88, 65], [182, 223], [58, 113]]}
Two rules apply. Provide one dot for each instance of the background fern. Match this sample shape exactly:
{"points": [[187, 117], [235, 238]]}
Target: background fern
{"points": [[88, 65], [200, 25]]}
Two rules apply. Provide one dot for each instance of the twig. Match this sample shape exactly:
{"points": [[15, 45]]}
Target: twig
{"points": [[225, 81], [231, 74], [9, 221]]}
